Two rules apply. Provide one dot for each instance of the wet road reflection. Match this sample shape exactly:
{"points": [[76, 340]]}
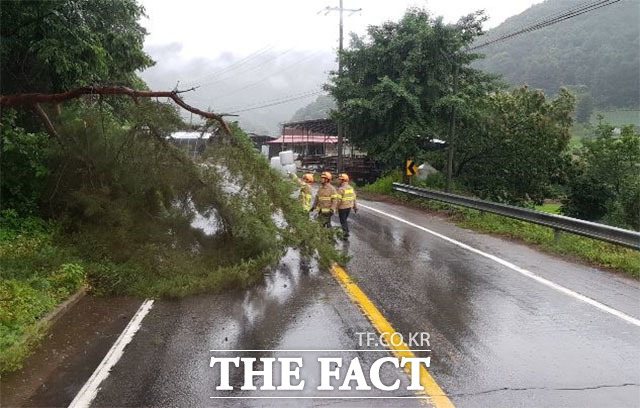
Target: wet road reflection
{"points": [[498, 338], [296, 307]]}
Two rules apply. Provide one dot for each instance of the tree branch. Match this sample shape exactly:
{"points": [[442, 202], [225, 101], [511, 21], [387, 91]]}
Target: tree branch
{"points": [[46, 121], [36, 98]]}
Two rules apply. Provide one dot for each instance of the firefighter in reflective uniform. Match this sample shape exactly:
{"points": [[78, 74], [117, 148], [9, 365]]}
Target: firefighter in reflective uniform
{"points": [[346, 201], [326, 200], [305, 191]]}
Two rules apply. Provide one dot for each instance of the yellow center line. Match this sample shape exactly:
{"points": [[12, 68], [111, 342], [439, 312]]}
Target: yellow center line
{"points": [[438, 398]]}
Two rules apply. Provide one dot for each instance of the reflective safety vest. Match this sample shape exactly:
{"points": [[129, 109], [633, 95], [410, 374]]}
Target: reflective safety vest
{"points": [[305, 196], [326, 199], [346, 196]]}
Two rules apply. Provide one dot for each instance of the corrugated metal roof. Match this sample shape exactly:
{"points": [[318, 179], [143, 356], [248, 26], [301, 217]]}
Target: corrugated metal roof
{"points": [[190, 135], [303, 139]]}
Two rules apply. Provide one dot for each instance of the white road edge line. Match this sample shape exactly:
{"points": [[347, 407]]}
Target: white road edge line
{"points": [[91, 387], [525, 272]]}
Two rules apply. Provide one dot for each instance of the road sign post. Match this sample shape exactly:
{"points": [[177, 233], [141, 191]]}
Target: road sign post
{"points": [[411, 169]]}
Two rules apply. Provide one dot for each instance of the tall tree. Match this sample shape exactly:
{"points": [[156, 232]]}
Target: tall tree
{"points": [[396, 89], [514, 145], [606, 178], [54, 45]]}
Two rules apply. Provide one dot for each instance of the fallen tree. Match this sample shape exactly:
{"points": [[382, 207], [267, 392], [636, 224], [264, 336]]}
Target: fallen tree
{"points": [[126, 199], [34, 100]]}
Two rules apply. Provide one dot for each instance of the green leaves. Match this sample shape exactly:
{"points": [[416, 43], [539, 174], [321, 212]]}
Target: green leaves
{"points": [[397, 87], [51, 46], [605, 183], [514, 146], [24, 164]]}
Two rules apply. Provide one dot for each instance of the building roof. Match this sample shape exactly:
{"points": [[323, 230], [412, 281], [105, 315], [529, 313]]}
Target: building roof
{"points": [[325, 126], [304, 139], [190, 135]]}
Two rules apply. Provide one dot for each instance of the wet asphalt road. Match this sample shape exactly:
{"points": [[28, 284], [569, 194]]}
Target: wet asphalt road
{"points": [[498, 338]]}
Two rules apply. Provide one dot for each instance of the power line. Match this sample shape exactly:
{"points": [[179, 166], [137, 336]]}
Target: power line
{"points": [[271, 100], [341, 11], [554, 19], [251, 68], [551, 16], [261, 80], [280, 102], [234, 65]]}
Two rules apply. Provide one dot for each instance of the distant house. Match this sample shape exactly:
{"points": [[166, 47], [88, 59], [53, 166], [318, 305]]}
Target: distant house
{"points": [[194, 142], [260, 140], [316, 137]]}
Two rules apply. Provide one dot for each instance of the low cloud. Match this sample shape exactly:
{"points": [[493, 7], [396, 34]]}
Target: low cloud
{"points": [[228, 83]]}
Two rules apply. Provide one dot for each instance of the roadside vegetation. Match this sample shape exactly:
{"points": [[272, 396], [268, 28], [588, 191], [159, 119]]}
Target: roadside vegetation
{"points": [[35, 275], [95, 195], [512, 145], [592, 251]]}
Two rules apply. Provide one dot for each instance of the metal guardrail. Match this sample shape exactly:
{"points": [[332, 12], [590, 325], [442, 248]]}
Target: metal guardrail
{"points": [[589, 229]]}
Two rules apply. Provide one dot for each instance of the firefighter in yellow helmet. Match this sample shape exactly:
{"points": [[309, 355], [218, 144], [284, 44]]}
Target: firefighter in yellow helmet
{"points": [[305, 191], [346, 201], [326, 199]]}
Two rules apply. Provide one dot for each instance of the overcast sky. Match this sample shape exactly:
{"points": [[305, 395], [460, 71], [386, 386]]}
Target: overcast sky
{"points": [[245, 53]]}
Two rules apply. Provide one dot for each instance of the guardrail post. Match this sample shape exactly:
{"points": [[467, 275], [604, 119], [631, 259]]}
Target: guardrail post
{"points": [[558, 223]]}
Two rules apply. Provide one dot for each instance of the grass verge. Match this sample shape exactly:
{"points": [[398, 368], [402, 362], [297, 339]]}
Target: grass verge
{"points": [[579, 248], [35, 276]]}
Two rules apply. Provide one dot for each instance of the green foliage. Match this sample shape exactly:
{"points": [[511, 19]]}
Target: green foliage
{"points": [[127, 201], [587, 197], [268, 217], [619, 117], [551, 208], [584, 108], [514, 146], [320, 108], [35, 275], [596, 252], [384, 184], [396, 89], [51, 45], [599, 50], [24, 166], [606, 181]]}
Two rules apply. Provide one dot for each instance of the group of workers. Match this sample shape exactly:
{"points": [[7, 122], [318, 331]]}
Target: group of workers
{"points": [[329, 200]]}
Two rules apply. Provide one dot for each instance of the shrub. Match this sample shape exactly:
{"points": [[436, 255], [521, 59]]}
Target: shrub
{"points": [[384, 184]]}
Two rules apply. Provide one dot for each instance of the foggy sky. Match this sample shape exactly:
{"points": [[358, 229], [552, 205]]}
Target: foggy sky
{"points": [[244, 54]]}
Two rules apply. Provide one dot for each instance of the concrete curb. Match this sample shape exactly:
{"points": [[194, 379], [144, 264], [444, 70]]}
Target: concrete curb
{"points": [[63, 307], [31, 339]]}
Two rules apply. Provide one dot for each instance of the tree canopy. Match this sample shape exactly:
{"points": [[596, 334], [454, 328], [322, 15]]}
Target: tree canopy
{"points": [[605, 180], [318, 109], [514, 145], [397, 87], [402, 84], [55, 45]]}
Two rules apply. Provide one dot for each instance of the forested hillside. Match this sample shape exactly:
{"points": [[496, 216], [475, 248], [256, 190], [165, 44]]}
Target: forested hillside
{"points": [[317, 109], [599, 50]]}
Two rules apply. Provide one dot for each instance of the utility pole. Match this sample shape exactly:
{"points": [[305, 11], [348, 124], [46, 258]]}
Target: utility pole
{"points": [[452, 131], [341, 9]]}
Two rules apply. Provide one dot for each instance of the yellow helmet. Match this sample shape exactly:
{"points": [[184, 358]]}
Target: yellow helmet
{"points": [[308, 178], [327, 175], [343, 177]]}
